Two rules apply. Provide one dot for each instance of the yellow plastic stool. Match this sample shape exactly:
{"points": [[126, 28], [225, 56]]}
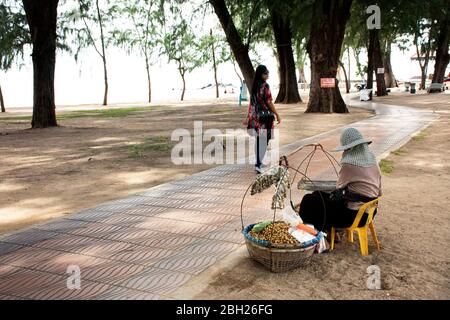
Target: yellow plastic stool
{"points": [[362, 231]]}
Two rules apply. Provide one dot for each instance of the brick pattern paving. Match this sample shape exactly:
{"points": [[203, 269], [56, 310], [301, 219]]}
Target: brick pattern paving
{"points": [[147, 245]]}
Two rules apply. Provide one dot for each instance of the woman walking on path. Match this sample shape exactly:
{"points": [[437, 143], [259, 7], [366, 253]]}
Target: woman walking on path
{"points": [[260, 115]]}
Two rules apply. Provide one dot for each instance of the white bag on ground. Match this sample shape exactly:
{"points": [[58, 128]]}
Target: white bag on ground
{"points": [[323, 244], [364, 94]]}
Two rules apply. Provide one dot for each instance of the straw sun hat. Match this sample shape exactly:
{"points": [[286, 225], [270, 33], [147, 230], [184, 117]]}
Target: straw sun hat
{"points": [[356, 149]]}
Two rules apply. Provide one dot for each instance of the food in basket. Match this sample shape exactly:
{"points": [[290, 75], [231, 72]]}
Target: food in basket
{"points": [[261, 226], [275, 233]]}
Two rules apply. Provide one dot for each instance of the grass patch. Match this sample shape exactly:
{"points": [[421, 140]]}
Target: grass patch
{"points": [[149, 145], [96, 113], [218, 111], [398, 152], [420, 136], [18, 118], [386, 166]]}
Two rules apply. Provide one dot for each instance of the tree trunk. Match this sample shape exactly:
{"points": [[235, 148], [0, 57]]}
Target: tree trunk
{"points": [[237, 73], [182, 73], [370, 63], [389, 77], [41, 17], [214, 65], [288, 92], [2, 103], [280, 71], [105, 71], [349, 74], [359, 67], [240, 51], [347, 84], [324, 49], [281, 76], [302, 78], [149, 82], [442, 55], [146, 49], [424, 66], [378, 63], [301, 75]]}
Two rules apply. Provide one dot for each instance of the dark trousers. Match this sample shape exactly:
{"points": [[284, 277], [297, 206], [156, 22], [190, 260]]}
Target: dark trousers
{"points": [[336, 213]]}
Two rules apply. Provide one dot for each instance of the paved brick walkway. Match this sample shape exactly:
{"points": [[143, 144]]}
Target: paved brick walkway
{"points": [[147, 245]]}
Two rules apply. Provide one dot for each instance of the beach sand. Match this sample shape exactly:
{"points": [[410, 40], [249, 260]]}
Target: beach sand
{"points": [[412, 226], [53, 172]]}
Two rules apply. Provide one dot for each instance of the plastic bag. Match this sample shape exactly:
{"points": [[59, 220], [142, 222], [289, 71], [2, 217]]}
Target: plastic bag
{"points": [[364, 94], [290, 216], [323, 244], [300, 235]]}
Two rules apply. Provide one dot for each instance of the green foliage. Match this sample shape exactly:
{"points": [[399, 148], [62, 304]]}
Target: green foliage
{"points": [[138, 26], [95, 113], [402, 21], [150, 145], [420, 136], [251, 19], [398, 152], [14, 34], [221, 49], [180, 43], [87, 25]]}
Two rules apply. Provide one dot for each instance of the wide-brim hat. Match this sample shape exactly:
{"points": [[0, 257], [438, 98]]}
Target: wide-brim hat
{"points": [[350, 138]]}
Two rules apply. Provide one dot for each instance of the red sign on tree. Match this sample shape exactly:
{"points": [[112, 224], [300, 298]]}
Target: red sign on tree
{"points": [[327, 82]]}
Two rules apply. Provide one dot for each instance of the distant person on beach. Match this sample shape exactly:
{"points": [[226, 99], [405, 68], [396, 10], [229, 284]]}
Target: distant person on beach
{"points": [[259, 121], [360, 176]]}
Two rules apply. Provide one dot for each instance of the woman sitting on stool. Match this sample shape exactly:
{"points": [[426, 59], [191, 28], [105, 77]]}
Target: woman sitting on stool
{"points": [[361, 176]]}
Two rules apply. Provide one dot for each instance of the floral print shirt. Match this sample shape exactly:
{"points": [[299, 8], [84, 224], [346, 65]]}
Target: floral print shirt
{"points": [[264, 97]]}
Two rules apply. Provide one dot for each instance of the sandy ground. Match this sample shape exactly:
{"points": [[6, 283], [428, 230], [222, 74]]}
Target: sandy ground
{"points": [[49, 173], [412, 226]]}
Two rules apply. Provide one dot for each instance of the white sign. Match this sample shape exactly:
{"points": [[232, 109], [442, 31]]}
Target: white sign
{"points": [[380, 70]]}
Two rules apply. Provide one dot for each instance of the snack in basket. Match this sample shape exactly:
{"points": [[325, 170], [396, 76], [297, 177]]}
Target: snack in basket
{"points": [[275, 233], [261, 226]]}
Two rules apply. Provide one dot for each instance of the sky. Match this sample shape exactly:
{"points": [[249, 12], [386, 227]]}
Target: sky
{"points": [[82, 82]]}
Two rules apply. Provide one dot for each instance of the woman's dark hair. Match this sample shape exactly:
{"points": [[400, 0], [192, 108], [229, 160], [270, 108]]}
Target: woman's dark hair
{"points": [[257, 80]]}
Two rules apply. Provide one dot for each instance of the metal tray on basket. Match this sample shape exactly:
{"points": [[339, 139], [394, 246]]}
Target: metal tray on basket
{"points": [[318, 185]]}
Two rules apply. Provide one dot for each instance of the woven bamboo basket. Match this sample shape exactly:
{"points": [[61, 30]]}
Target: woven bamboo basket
{"points": [[279, 258]]}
